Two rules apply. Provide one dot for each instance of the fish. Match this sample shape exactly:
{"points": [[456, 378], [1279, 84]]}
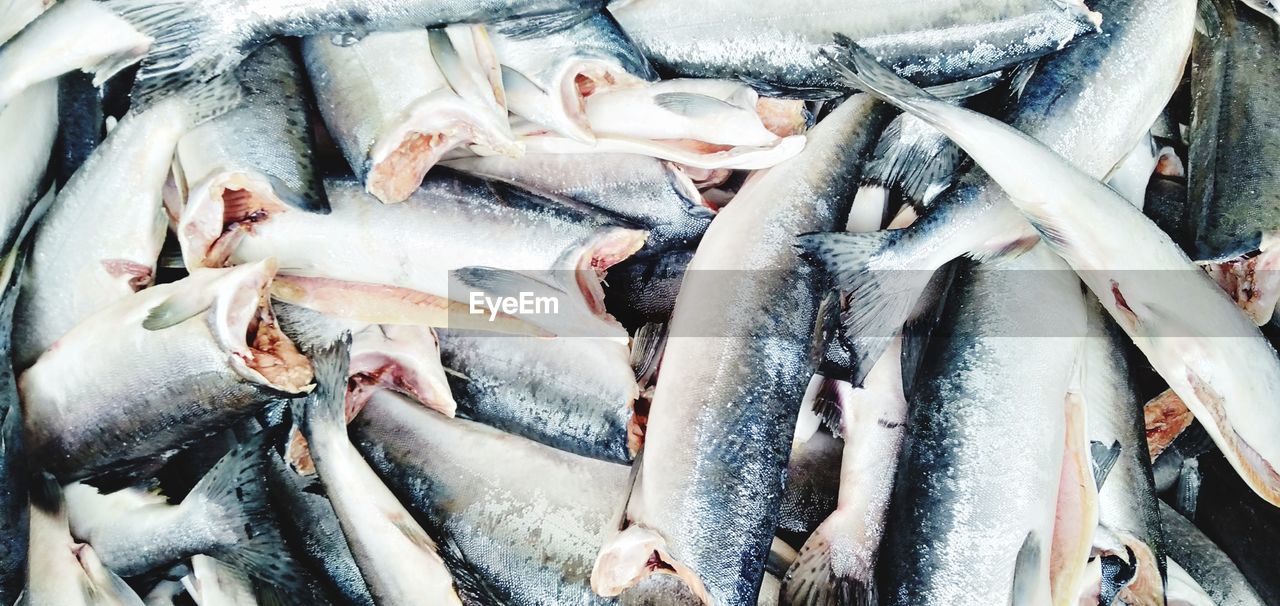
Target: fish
{"points": [[1132, 175], [13, 464], [397, 558], [1128, 516], [655, 195], [413, 246], [1088, 103], [213, 583], [776, 47], [391, 110], [62, 572], [709, 485], [55, 43], [17, 14], [548, 74], [81, 124], [1136, 271], [813, 483], [259, 154], [131, 384], [490, 493], [575, 394], [974, 503], [309, 525], [1267, 7], [1234, 203], [227, 515], [643, 290], [1205, 562], [100, 240], [1184, 590], [30, 124], [837, 562]]}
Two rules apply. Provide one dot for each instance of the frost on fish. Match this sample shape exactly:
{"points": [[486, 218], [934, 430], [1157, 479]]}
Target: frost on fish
{"points": [[392, 110], [95, 403]]}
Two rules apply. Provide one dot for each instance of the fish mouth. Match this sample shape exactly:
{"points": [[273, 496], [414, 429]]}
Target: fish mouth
{"points": [[244, 325], [606, 251], [432, 127], [636, 554], [220, 211], [396, 367]]}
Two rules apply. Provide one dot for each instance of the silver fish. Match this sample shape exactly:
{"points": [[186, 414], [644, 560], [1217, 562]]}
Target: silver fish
{"points": [[1128, 516], [980, 467], [397, 558], [1205, 562], [61, 572], [578, 394], [227, 515], [263, 149], [527, 517], [1231, 385], [453, 221], [1091, 103], [391, 110], [776, 46], [838, 561], [132, 383], [99, 242], [30, 124], [548, 75], [653, 194], [705, 501]]}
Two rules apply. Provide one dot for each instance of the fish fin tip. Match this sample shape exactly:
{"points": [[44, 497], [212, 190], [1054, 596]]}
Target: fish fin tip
{"points": [[785, 91], [176, 309], [860, 69], [647, 346], [692, 105], [326, 404], [813, 581], [526, 28], [1104, 458], [829, 402], [1027, 572]]}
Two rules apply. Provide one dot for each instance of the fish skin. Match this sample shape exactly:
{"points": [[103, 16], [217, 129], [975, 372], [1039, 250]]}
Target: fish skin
{"points": [[13, 465], [309, 524], [576, 394], [1235, 132], [542, 69], [17, 14], [391, 110], [264, 147], [980, 466], [85, 417], [1205, 562], [99, 242], [777, 46], [1127, 501], [397, 558], [813, 483], [719, 434], [30, 125], [1090, 103], [81, 124], [653, 194], [488, 493], [524, 231], [644, 290], [60, 572]]}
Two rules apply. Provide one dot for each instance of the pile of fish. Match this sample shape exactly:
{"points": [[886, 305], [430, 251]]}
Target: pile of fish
{"points": [[642, 302]]}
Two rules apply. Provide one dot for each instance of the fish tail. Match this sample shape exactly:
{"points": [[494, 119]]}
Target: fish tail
{"points": [[813, 579], [917, 170], [860, 70], [828, 401], [325, 408], [632, 556]]}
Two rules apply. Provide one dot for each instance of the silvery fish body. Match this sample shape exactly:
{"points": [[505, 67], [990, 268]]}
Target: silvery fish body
{"points": [[30, 125], [1205, 562]]}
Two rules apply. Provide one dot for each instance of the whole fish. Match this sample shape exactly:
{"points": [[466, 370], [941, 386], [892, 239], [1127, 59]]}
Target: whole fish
{"points": [[391, 110], [13, 464], [260, 154], [30, 124], [1205, 562], [776, 46], [308, 523], [488, 492], [61, 572], [1232, 386], [1128, 516], [706, 498], [655, 195], [548, 74], [1089, 103], [132, 383], [838, 561], [453, 221], [81, 124], [979, 474], [576, 394], [99, 242], [397, 558], [227, 515]]}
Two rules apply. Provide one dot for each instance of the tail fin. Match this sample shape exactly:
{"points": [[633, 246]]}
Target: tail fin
{"points": [[813, 579], [861, 70], [325, 407]]}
